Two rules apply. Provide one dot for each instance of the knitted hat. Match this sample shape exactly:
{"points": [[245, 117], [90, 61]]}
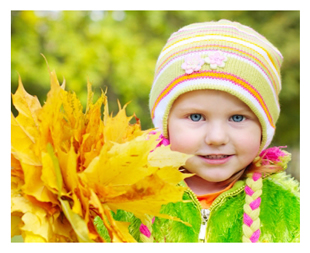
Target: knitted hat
{"points": [[224, 56]]}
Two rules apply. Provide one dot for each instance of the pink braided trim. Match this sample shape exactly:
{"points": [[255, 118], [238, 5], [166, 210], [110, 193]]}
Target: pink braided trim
{"points": [[256, 203], [256, 176], [247, 220], [248, 191], [254, 238], [144, 230]]}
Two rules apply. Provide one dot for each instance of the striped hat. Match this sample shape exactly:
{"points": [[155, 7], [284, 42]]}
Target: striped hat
{"points": [[224, 56]]}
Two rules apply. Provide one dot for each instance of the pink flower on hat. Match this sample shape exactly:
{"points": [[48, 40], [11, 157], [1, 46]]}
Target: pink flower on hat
{"points": [[192, 63], [216, 59]]}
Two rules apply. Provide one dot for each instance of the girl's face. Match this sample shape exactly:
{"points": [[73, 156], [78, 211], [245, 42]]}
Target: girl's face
{"points": [[221, 131]]}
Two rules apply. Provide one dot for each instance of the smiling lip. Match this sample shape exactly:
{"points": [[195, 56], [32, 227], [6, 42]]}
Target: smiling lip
{"points": [[216, 158]]}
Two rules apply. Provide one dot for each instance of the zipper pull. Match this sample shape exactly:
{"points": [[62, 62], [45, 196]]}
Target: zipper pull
{"points": [[205, 213]]}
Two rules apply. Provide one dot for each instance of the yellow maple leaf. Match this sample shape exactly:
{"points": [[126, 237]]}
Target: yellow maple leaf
{"points": [[69, 166], [27, 107], [117, 129], [21, 143]]}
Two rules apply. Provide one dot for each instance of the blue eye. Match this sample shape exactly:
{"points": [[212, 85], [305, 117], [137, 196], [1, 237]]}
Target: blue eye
{"points": [[237, 118], [195, 117]]}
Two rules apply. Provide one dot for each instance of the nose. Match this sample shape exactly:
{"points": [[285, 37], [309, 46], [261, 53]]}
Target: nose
{"points": [[216, 134]]}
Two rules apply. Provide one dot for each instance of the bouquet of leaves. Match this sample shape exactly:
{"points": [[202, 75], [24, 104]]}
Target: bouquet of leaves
{"points": [[69, 167]]}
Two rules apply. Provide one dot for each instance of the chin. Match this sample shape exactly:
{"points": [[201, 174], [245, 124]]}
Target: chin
{"points": [[216, 178]]}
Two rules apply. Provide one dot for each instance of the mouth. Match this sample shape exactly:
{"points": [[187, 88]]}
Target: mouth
{"points": [[216, 157]]}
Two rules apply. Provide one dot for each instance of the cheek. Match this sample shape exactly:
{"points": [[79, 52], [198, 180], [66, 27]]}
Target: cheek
{"points": [[249, 144], [182, 142]]}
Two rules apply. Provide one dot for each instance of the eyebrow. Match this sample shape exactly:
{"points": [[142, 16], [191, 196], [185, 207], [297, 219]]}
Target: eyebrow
{"points": [[238, 109], [191, 107], [186, 109]]}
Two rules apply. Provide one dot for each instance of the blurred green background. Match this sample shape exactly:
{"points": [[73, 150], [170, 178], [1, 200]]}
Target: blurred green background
{"points": [[118, 50]]}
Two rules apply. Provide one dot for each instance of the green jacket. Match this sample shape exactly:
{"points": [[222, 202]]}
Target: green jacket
{"points": [[279, 215]]}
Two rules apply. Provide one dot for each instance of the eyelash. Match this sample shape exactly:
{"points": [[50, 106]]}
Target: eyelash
{"points": [[230, 119]]}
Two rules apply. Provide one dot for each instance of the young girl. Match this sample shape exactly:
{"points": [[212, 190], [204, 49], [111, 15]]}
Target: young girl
{"points": [[215, 96]]}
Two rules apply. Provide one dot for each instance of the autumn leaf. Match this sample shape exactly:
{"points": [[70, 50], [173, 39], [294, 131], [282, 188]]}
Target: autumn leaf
{"points": [[69, 167], [76, 221], [34, 186], [21, 143], [27, 106], [117, 129], [15, 221]]}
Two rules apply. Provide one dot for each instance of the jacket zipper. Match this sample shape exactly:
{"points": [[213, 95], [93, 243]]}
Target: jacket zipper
{"points": [[205, 213]]}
